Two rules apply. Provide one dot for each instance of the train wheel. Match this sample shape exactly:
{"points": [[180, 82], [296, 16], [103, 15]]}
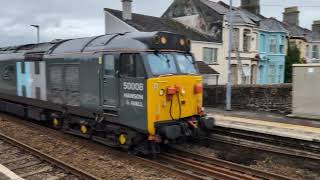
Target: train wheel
{"points": [[122, 139], [83, 129], [56, 123]]}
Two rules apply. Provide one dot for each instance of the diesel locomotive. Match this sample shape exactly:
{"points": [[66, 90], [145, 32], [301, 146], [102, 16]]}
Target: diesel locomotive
{"points": [[132, 90]]}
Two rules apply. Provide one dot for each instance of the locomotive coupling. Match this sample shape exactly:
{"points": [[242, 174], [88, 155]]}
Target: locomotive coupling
{"points": [[171, 132]]}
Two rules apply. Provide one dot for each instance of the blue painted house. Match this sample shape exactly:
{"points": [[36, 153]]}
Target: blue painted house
{"points": [[272, 51]]}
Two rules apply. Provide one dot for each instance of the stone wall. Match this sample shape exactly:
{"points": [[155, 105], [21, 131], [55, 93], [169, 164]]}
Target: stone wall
{"points": [[270, 98]]}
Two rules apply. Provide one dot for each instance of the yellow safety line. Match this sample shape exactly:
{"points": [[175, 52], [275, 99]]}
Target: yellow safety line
{"points": [[268, 123]]}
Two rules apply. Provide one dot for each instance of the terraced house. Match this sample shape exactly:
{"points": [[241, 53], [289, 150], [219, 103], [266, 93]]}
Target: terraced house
{"points": [[203, 46], [272, 48], [210, 18], [298, 35], [313, 48]]}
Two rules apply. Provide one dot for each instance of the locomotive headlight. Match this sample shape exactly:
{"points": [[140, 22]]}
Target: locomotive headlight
{"points": [[182, 42], [162, 92], [183, 91], [163, 40]]}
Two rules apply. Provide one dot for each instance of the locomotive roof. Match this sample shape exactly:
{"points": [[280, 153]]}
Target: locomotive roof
{"points": [[109, 42]]}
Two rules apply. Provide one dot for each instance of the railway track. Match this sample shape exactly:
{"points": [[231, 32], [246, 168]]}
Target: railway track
{"points": [[32, 164], [185, 164], [265, 142], [193, 166]]}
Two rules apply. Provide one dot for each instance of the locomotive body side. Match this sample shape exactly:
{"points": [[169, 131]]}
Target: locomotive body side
{"points": [[124, 97]]}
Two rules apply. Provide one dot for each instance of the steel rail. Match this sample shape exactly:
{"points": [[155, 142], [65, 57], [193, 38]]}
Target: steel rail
{"points": [[51, 160], [263, 143], [236, 169]]}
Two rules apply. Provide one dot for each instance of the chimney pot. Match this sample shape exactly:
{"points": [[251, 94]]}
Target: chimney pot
{"points": [[291, 15], [316, 27], [127, 9], [252, 6]]}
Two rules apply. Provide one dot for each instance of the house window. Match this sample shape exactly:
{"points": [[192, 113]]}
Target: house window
{"points": [[280, 73], [246, 40], [38, 93], [235, 39], [273, 44], [282, 45], [24, 91], [315, 52], [234, 74], [263, 43], [210, 55], [257, 41], [307, 51], [271, 73], [37, 67], [23, 68]]}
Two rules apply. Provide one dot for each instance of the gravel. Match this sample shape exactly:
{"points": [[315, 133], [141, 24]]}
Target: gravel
{"points": [[99, 160], [277, 164]]}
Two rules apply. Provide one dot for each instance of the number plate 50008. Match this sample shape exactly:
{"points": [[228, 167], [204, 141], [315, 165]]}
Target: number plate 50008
{"points": [[133, 86]]}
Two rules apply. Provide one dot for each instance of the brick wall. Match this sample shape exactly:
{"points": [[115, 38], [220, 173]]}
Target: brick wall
{"points": [[270, 98]]}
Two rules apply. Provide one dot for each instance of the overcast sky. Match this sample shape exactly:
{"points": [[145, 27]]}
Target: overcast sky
{"points": [[77, 18]]}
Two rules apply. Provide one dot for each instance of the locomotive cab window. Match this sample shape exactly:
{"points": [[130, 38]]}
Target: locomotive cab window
{"points": [[186, 64], [161, 64], [171, 63], [131, 66]]}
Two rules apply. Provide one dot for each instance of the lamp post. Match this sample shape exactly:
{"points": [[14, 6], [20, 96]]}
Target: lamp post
{"points": [[38, 32], [229, 88]]}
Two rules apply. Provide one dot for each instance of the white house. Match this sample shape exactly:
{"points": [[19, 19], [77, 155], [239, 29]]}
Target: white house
{"points": [[204, 47], [210, 18]]}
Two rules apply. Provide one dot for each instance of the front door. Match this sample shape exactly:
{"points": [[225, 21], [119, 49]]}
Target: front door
{"points": [[110, 81]]}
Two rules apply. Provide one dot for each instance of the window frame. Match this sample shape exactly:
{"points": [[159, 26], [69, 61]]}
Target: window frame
{"points": [[141, 60], [235, 39], [246, 44], [271, 76], [37, 68], [214, 55], [263, 43], [271, 45], [315, 51], [23, 67], [280, 73]]}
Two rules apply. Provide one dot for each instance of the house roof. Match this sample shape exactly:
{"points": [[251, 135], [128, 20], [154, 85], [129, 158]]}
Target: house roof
{"points": [[240, 16], [205, 68], [315, 36], [271, 24], [219, 8], [297, 31], [150, 23]]}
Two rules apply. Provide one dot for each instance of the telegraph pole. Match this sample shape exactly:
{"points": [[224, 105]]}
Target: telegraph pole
{"points": [[229, 88], [38, 32]]}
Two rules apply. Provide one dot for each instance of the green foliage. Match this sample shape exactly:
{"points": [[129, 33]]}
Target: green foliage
{"points": [[293, 57]]}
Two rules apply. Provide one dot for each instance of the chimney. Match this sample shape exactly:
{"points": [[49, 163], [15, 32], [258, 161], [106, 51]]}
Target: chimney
{"points": [[127, 9], [291, 15], [316, 30], [252, 6]]}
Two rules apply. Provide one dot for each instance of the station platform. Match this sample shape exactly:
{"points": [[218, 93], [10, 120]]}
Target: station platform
{"points": [[6, 174], [267, 123]]}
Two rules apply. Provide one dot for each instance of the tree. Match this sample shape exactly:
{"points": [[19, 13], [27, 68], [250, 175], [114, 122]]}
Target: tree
{"points": [[293, 57]]}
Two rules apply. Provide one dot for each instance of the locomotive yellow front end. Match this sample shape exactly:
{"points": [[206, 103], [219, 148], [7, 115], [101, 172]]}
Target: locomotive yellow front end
{"points": [[175, 107], [174, 91]]}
